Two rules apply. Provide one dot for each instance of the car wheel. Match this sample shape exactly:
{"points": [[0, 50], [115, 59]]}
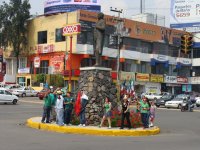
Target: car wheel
{"points": [[40, 98], [197, 105], [167, 107], [23, 95], [157, 105], [14, 102], [179, 106]]}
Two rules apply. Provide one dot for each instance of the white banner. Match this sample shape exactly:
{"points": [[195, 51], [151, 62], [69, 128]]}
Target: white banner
{"points": [[37, 62], [24, 70], [170, 79], [185, 14], [161, 58], [184, 61]]}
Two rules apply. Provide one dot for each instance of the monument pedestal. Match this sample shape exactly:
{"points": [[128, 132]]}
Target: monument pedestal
{"points": [[97, 84]]}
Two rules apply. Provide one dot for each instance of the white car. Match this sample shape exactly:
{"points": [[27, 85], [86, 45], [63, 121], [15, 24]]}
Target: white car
{"points": [[197, 101], [7, 97], [176, 102], [12, 88], [25, 91], [152, 96]]}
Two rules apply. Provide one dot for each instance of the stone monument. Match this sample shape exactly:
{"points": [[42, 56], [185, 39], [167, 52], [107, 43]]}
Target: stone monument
{"points": [[96, 81]]}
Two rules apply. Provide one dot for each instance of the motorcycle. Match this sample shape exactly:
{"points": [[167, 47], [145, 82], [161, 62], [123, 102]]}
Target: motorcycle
{"points": [[184, 106]]}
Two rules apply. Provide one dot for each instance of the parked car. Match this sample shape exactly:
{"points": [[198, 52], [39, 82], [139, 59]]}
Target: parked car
{"points": [[163, 100], [152, 96], [7, 97], [42, 93], [176, 102], [12, 88], [25, 91]]}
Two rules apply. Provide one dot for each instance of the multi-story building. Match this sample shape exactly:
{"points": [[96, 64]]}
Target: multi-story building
{"points": [[149, 55]]}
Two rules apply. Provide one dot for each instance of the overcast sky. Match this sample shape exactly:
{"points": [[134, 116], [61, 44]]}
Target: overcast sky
{"points": [[130, 7]]}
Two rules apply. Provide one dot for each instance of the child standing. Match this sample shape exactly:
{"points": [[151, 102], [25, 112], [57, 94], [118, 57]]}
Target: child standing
{"points": [[152, 114]]}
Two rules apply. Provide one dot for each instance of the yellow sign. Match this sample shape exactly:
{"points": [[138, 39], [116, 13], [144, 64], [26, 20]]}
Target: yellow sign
{"points": [[127, 76], [142, 77], [157, 78]]}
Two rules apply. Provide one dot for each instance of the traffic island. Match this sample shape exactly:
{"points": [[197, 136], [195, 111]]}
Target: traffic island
{"points": [[91, 130]]}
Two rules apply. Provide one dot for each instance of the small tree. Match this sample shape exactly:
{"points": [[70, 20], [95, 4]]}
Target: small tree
{"points": [[13, 29]]}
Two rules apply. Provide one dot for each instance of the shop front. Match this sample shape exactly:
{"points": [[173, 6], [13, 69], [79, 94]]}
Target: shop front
{"points": [[141, 81]]}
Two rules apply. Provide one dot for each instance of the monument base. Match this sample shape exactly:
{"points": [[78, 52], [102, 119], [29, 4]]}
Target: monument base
{"points": [[97, 84]]}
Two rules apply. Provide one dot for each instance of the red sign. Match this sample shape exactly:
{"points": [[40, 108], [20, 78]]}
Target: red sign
{"points": [[43, 49], [71, 29], [37, 62], [182, 80]]}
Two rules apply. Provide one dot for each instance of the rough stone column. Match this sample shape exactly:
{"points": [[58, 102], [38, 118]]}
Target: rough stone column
{"points": [[97, 84]]}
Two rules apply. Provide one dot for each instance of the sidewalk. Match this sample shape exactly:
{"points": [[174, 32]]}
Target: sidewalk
{"points": [[35, 123]]}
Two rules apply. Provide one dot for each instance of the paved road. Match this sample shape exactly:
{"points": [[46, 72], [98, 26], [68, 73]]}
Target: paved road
{"points": [[179, 131]]}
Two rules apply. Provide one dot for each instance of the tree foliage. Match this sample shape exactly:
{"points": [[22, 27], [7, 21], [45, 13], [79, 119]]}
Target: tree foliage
{"points": [[13, 25]]}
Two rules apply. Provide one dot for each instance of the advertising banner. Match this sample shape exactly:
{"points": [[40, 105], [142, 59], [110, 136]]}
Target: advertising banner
{"points": [[182, 80], [57, 62], [37, 62], [127, 76], [156, 78], [142, 77], [170, 79], [187, 88], [184, 14], [56, 6], [24, 70]]}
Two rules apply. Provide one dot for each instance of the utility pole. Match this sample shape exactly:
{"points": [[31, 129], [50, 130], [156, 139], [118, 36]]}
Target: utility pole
{"points": [[118, 20]]}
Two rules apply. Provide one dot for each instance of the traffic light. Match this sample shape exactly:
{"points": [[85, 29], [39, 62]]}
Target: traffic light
{"points": [[186, 43]]}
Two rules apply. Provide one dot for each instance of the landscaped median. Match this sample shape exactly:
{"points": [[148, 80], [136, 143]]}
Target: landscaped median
{"points": [[90, 130]]}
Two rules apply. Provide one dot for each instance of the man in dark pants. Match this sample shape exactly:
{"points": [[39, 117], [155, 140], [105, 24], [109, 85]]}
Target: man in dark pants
{"points": [[68, 102], [47, 108], [144, 109], [125, 113]]}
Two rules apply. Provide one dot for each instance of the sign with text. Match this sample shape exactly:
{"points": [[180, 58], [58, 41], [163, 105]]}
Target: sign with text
{"points": [[142, 77], [59, 6], [170, 79], [37, 62], [72, 29], [185, 15], [127, 76], [156, 78], [24, 70], [182, 80]]}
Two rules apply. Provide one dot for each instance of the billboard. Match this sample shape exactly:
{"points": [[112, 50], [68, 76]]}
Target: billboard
{"points": [[184, 15], [57, 6]]}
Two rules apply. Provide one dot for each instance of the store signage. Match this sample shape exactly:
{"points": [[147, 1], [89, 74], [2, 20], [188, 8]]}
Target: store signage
{"points": [[156, 78], [195, 80], [37, 62], [142, 77], [170, 79], [24, 70], [127, 76], [43, 49], [182, 80], [160, 58], [72, 29], [184, 61]]}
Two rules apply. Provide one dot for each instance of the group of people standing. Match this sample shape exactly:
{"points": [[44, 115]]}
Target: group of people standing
{"points": [[58, 108]]}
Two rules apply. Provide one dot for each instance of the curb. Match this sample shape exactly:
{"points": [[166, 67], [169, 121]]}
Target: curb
{"points": [[91, 130]]}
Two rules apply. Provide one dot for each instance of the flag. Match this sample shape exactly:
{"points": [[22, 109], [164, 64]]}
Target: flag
{"points": [[77, 107]]}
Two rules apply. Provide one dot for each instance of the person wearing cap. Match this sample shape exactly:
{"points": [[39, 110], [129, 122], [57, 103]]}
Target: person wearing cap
{"points": [[59, 108], [68, 103], [144, 109], [125, 112]]}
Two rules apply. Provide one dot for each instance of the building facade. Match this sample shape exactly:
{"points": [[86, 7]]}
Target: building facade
{"points": [[149, 53]]}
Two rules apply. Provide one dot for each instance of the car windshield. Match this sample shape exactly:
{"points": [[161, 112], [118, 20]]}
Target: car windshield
{"points": [[165, 96], [8, 86], [181, 96]]}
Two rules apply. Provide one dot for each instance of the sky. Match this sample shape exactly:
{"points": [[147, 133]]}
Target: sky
{"points": [[130, 7]]}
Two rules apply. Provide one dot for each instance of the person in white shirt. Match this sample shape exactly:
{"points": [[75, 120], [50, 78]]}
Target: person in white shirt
{"points": [[84, 102], [59, 108]]}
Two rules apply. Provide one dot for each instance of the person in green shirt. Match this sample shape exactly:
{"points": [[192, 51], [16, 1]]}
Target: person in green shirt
{"points": [[107, 113], [68, 107], [46, 108], [144, 109]]}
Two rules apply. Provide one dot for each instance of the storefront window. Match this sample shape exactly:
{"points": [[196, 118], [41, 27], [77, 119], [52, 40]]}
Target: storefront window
{"points": [[42, 37], [21, 81], [59, 36]]}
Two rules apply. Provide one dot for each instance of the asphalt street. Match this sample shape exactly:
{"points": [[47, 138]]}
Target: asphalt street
{"points": [[179, 131]]}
